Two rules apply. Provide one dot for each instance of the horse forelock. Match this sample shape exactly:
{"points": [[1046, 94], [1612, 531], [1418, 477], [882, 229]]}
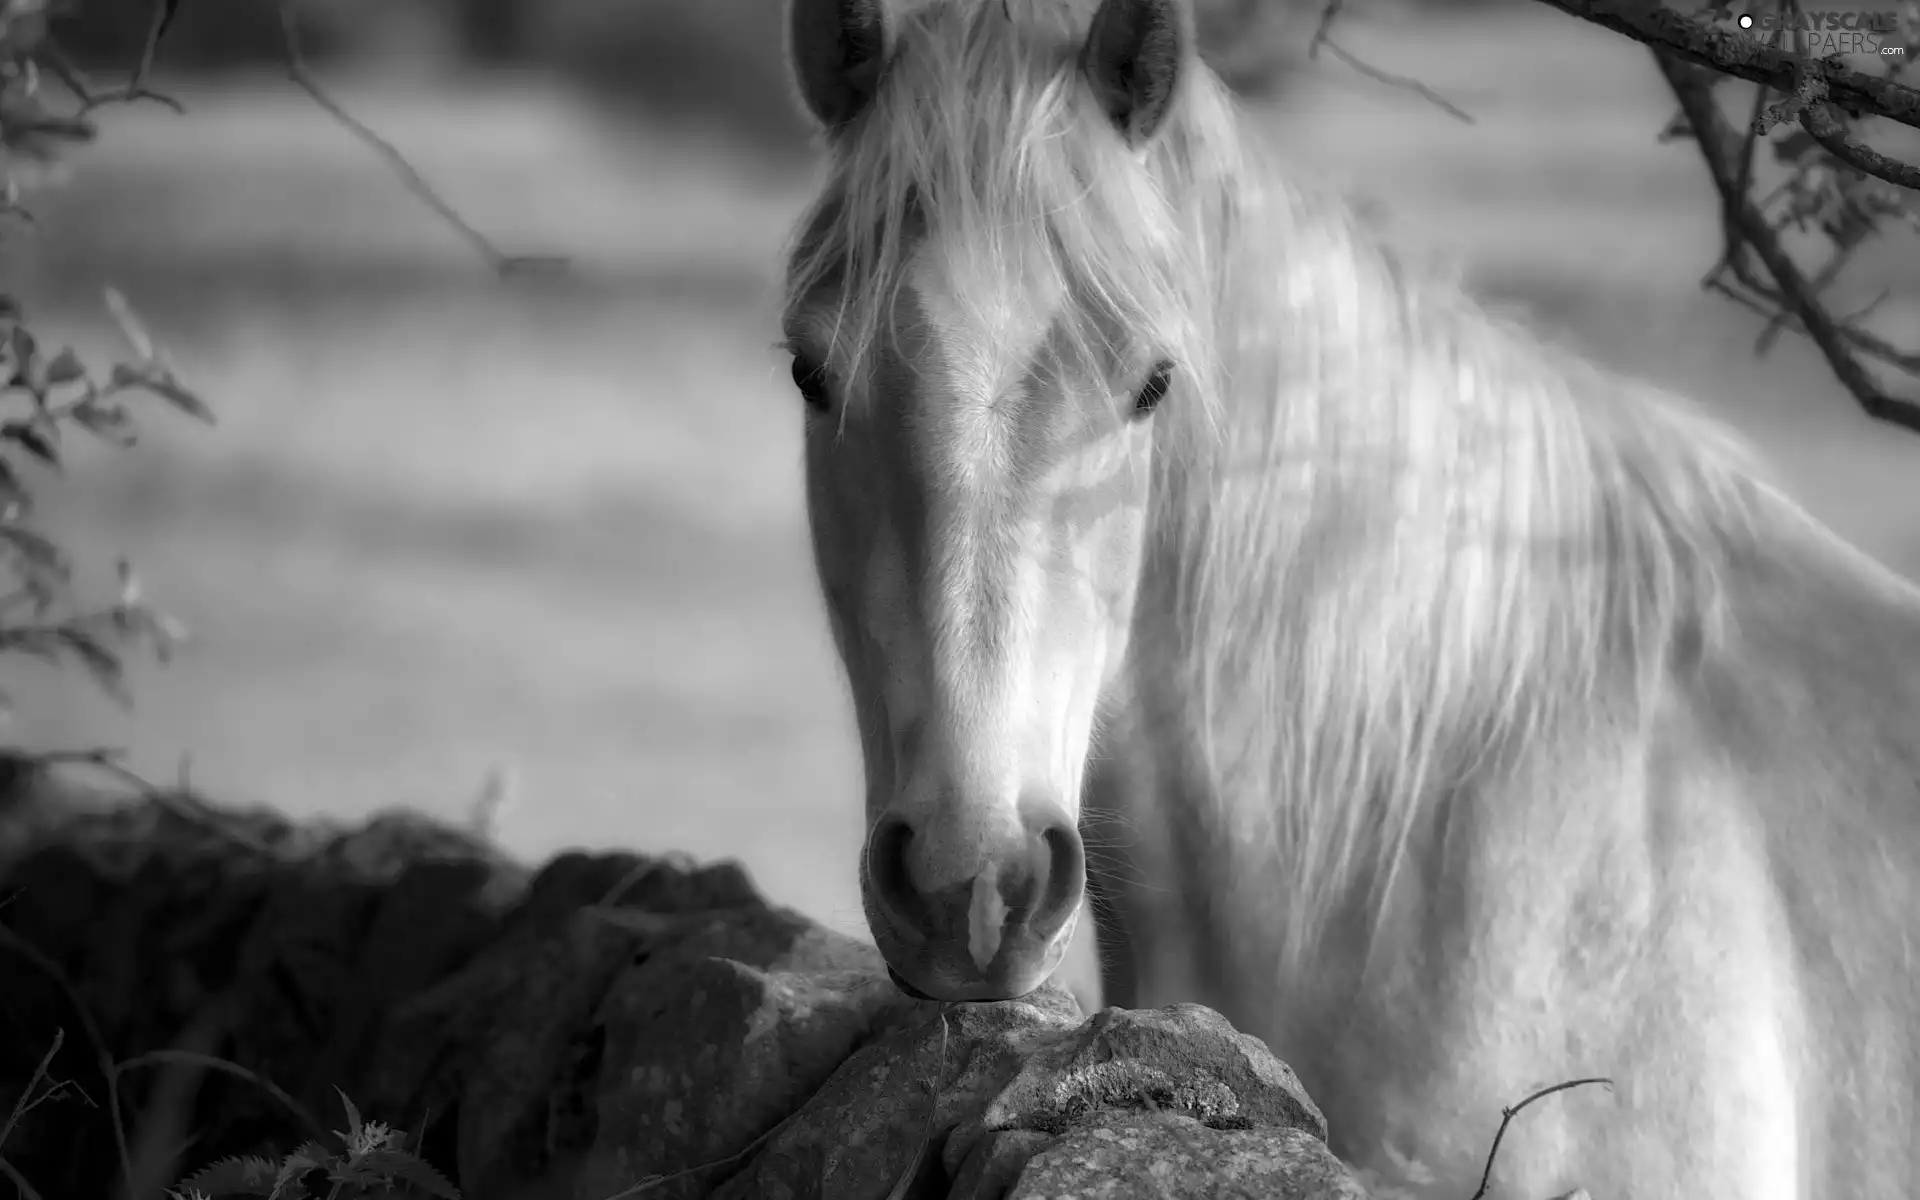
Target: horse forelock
{"points": [[985, 156]]}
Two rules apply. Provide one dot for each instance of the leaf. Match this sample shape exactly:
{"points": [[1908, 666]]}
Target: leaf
{"points": [[353, 1117], [232, 1177], [174, 393], [105, 419], [15, 500], [1797, 145], [28, 436], [37, 643], [400, 1165], [10, 205], [314, 1153], [34, 133], [168, 633], [130, 326], [142, 623], [295, 1168], [66, 367], [23, 350], [164, 386], [37, 552]]}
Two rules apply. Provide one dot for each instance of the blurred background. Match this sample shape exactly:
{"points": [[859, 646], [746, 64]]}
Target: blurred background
{"points": [[549, 533]]}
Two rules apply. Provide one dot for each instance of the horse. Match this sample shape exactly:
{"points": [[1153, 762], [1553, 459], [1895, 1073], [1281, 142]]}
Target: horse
{"points": [[1452, 713]]}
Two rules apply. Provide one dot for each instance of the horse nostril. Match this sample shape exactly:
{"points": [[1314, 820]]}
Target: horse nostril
{"points": [[1059, 865], [887, 871]]}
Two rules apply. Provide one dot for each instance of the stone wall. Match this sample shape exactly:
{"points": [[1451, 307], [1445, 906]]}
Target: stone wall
{"points": [[567, 1032]]}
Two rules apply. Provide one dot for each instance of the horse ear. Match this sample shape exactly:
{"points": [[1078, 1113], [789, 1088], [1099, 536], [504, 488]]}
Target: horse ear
{"points": [[836, 48], [1134, 57]]}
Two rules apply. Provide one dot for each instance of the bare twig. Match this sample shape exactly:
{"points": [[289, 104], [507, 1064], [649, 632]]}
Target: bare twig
{"points": [[1323, 36], [135, 89], [1328, 15], [903, 1186], [302, 76], [18, 1180], [111, 1070], [634, 875], [26, 1102], [1782, 318], [212, 1062], [180, 802], [70, 75], [651, 1182], [1400, 81], [1875, 346], [1764, 301], [103, 1056], [1506, 1119]]}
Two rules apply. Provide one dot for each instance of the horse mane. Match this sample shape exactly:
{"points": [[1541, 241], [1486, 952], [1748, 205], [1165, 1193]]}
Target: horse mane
{"points": [[1400, 537], [1418, 541]]}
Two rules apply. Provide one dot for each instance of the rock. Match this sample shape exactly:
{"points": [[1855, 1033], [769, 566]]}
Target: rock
{"points": [[1183, 1058], [1032, 1076], [717, 1052], [1177, 1158], [934, 1068], [568, 1034]]}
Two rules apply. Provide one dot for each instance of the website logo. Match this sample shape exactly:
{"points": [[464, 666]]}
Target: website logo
{"points": [[1820, 32]]}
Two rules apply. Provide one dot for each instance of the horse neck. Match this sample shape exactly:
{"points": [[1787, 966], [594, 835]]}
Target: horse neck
{"points": [[1408, 538]]}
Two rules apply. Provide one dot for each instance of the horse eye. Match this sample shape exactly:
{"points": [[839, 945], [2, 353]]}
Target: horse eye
{"points": [[1154, 390], [812, 382]]}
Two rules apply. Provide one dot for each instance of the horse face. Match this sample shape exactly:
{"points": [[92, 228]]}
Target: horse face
{"points": [[977, 504], [977, 480]]}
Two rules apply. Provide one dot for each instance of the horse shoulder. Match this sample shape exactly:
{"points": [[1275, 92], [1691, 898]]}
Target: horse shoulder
{"points": [[1816, 703]]}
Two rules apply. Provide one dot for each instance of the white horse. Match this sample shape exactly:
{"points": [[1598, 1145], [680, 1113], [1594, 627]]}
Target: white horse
{"points": [[1478, 718]]}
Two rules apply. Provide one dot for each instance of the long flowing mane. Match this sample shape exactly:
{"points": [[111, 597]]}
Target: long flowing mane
{"points": [[1400, 535]]}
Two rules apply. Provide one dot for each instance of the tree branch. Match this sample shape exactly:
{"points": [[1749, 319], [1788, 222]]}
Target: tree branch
{"points": [[1744, 57], [1720, 147], [1841, 200], [1818, 120]]}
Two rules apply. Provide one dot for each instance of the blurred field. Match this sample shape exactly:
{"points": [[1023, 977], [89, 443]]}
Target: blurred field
{"points": [[447, 525]]}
